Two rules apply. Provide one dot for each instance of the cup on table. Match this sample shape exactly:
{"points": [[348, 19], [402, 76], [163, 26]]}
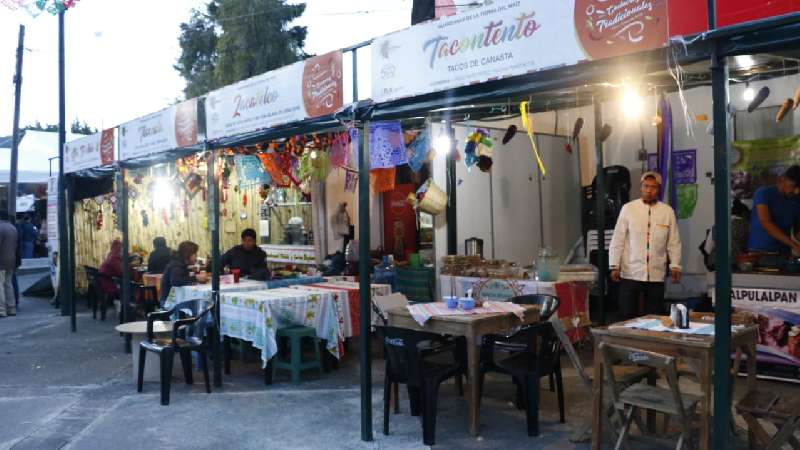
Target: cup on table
{"points": [[466, 303], [236, 273], [452, 301]]}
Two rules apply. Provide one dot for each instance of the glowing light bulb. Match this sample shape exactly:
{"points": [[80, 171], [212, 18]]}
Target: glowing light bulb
{"points": [[314, 154], [443, 144], [632, 104], [749, 94]]}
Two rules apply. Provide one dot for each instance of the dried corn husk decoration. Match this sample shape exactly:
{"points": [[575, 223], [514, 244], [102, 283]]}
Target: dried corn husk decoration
{"points": [[785, 108]]}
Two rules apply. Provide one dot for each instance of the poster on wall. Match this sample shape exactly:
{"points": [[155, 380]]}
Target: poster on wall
{"points": [[174, 127], [307, 89], [91, 151], [508, 38], [758, 163]]}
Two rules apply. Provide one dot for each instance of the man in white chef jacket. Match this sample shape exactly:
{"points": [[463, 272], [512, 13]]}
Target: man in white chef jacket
{"points": [[646, 244]]}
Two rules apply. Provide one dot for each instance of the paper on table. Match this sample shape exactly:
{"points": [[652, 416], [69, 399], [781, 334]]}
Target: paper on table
{"points": [[703, 329]]}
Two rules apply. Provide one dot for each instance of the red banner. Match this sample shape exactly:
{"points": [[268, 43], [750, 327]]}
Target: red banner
{"points": [[399, 221], [691, 16]]}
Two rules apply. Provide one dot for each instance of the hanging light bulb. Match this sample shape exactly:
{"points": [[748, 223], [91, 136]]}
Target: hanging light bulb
{"points": [[632, 103], [749, 93], [443, 144]]}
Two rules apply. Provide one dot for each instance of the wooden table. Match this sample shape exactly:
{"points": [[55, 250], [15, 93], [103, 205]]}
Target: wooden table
{"points": [[472, 327], [695, 350]]}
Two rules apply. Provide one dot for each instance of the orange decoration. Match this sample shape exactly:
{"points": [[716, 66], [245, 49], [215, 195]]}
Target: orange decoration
{"points": [[382, 180]]}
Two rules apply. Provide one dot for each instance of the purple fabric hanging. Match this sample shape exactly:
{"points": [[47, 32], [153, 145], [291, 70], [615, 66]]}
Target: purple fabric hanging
{"points": [[665, 161]]}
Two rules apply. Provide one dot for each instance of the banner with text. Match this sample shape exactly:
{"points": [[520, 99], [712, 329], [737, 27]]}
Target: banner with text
{"points": [[171, 128], [89, 152], [778, 319], [509, 38], [307, 89]]}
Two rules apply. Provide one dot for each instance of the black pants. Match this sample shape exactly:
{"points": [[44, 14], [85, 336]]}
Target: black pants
{"points": [[629, 292]]}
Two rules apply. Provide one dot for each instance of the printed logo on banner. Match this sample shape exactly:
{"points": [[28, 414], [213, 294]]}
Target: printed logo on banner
{"points": [[322, 84], [608, 28]]}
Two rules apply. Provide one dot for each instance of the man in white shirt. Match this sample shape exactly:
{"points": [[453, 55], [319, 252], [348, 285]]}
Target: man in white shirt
{"points": [[645, 242]]}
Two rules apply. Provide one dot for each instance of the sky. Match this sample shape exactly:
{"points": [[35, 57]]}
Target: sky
{"points": [[120, 54]]}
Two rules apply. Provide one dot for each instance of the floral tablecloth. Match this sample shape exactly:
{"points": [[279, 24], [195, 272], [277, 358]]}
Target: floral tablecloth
{"points": [[256, 316], [203, 291]]}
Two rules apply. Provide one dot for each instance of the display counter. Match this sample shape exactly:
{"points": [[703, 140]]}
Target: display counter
{"points": [[774, 299]]}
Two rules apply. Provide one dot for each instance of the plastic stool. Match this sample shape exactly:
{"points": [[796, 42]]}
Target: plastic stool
{"points": [[295, 362]]}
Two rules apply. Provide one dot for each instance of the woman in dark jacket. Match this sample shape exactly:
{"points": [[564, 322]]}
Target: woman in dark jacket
{"points": [[177, 271], [159, 257]]}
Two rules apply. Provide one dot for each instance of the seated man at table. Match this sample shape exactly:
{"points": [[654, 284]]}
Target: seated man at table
{"points": [[247, 257], [177, 271], [159, 257]]}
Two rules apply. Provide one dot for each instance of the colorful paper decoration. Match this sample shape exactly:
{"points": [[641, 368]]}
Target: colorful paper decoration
{"points": [[250, 171], [350, 181], [420, 149], [340, 150], [383, 179], [528, 125], [55, 6], [314, 165], [386, 148], [279, 168]]}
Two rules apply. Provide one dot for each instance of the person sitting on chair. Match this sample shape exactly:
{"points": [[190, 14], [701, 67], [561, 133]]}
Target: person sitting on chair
{"points": [[111, 268], [160, 256], [247, 257], [177, 271]]}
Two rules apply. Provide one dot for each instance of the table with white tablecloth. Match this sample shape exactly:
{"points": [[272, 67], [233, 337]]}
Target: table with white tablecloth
{"points": [[256, 316], [524, 287], [180, 294]]}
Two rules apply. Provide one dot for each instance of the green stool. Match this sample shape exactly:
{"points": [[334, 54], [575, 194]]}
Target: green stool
{"points": [[295, 362]]}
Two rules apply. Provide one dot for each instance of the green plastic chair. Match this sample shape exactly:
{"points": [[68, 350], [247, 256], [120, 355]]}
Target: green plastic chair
{"points": [[295, 363], [418, 285]]}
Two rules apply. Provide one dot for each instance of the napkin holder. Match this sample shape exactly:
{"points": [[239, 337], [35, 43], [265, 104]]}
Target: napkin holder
{"points": [[679, 315]]}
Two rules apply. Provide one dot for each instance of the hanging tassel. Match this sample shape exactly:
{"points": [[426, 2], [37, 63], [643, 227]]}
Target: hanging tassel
{"points": [[528, 125]]}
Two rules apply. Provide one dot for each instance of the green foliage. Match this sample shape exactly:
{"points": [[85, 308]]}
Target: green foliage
{"points": [[77, 127], [238, 39]]}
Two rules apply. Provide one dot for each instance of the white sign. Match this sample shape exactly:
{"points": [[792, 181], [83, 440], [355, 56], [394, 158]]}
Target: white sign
{"points": [[174, 127], [52, 210], [510, 38], [765, 298], [303, 90], [89, 152]]}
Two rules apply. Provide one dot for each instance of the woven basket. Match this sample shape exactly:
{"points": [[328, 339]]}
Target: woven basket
{"points": [[435, 199]]}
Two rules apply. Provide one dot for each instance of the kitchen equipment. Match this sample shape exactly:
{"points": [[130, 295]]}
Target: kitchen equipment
{"points": [[473, 247], [548, 265]]}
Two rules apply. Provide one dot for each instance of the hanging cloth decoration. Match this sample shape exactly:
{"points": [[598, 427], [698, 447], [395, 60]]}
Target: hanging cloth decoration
{"points": [[420, 149], [386, 149], [669, 193], [340, 150], [382, 179], [528, 125]]}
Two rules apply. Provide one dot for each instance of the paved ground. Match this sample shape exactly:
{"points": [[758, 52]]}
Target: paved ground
{"points": [[75, 391]]}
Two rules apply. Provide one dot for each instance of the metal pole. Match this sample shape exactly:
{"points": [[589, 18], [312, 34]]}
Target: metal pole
{"points": [[122, 189], [65, 277], [600, 209], [12, 178], [452, 199], [70, 237], [213, 227], [364, 285], [355, 75], [722, 238]]}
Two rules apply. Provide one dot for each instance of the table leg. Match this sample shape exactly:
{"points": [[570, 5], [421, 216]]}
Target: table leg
{"points": [[597, 398], [705, 403], [473, 397]]}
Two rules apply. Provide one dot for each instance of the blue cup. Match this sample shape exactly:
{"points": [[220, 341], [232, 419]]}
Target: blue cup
{"points": [[452, 302], [466, 303]]}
